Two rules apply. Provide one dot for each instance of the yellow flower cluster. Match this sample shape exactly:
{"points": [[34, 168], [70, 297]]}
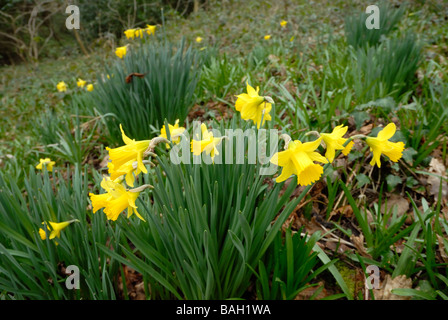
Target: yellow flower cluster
{"points": [[47, 163], [299, 158], [138, 33], [126, 163], [131, 34], [82, 83], [62, 86]]}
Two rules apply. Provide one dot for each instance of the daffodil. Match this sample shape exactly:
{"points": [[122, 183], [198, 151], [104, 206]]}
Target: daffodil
{"points": [[298, 159], [334, 141], [81, 83], [267, 37], [121, 52], [253, 107], [115, 200], [283, 23], [61, 86], [198, 39], [207, 144], [139, 33], [150, 29], [175, 132], [131, 151], [47, 163], [130, 33], [129, 170], [55, 230], [89, 87], [381, 145]]}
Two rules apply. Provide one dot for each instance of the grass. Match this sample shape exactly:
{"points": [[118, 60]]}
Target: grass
{"points": [[348, 218]]}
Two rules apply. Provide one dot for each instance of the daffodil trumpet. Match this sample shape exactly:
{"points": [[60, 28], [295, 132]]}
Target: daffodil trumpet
{"points": [[68, 222], [299, 159], [53, 229], [117, 199], [380, 145], [253, 106]]}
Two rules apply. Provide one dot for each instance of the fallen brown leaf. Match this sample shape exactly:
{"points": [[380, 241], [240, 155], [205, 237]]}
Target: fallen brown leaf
{"points": [[359, 244], [308, 293], [384, 293], [442, 250], [398, 201], [104, 162], [437, 167]]}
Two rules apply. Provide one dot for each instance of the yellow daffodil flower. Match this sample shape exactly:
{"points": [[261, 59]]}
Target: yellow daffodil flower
{"points": [[47, 163], [175, 132], [89, 87], [198, 39], [129, 33], [129, 170], [115, 200], [55, 230], [139, 33], [61, 86], [81, 83], [121, 52], [253, 107], [381, 145], [267, 37], [150, 29], [299, 159], [207, 144], [131, 151], [283, 23], [334, 141]]}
